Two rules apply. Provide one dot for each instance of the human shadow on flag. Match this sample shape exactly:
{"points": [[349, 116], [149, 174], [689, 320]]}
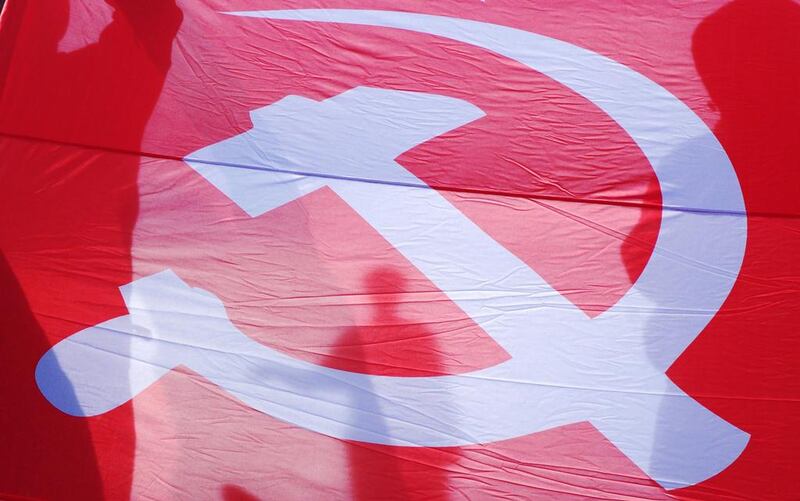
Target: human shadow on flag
{"points": [[741, 53], [382, 347], [78, 90], [744, 53]]}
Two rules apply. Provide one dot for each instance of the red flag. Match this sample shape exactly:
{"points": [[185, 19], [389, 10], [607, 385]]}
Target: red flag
{"points": [[353, 250]]}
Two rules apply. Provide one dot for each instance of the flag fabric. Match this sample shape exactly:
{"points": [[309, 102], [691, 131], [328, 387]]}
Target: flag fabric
{"points": [[356, 249]]}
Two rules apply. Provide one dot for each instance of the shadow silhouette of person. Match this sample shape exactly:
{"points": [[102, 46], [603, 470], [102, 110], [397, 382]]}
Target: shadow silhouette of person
{"points": [[380, 472], [740, 52], [746, 54], [64, 110], [232, 492], [36, 439]]}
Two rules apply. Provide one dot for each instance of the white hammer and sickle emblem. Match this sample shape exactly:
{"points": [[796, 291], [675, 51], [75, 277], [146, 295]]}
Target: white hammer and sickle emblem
{"points": [[564, 367]]}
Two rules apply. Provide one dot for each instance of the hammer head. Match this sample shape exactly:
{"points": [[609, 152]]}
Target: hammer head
{"points": [[298, 145]]}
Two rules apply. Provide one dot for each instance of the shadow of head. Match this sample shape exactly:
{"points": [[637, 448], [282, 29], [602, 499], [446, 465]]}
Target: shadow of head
{"points": [[743, 52]]}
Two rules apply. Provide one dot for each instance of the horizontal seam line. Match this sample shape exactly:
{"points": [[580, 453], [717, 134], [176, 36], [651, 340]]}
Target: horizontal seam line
{"points": [[422, 185]]}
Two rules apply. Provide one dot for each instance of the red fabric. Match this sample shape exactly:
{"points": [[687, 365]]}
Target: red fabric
{"points": [[86, 133]]}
